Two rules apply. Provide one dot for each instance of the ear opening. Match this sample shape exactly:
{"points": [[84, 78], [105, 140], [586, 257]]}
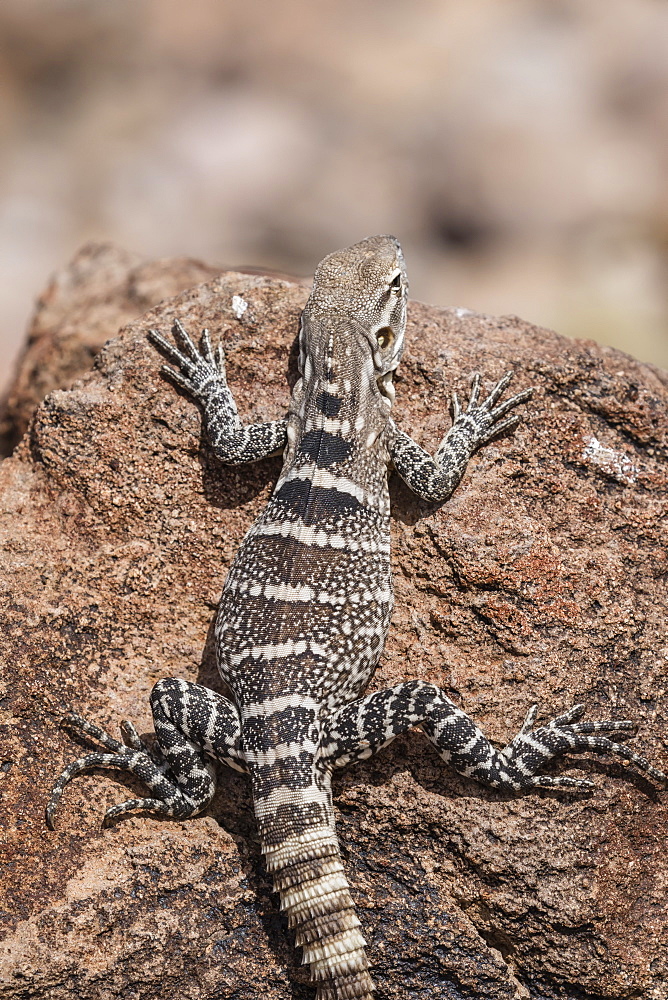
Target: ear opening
{"points": [[385, 337]]}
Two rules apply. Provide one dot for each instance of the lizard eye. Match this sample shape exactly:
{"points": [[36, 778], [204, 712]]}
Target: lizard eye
{"points": [[384, 336], [395, 284]]}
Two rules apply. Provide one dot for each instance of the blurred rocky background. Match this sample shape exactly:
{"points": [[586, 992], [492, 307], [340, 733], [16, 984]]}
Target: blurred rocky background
{"points": [[518, 149]]}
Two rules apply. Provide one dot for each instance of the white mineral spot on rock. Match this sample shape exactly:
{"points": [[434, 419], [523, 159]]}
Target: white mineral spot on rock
{"points": [[239, 306], [614, 463]]}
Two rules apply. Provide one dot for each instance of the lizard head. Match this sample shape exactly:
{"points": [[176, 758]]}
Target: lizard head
{"points": [[365, 289]]}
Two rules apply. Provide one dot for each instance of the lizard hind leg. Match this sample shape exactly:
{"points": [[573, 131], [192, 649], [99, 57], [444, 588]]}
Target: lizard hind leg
{"points": [[361, 728], [166, 796], [190, 722]]}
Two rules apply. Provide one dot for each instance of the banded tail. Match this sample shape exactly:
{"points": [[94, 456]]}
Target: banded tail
{"points": [[293, 807], [309, 876]]}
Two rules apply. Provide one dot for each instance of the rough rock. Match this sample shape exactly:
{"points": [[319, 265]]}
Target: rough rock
{"points": [[85, 304], [541, 580]]}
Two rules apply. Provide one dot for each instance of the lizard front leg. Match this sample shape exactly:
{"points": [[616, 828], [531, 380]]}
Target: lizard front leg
{"points": [[190, 722], [201, 373], [434, 479], [358, 730]]}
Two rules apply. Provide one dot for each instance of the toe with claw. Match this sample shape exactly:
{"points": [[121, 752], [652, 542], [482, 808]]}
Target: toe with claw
{"points": [[196, 368], [488, 419], [532, 749], [133, 759]]}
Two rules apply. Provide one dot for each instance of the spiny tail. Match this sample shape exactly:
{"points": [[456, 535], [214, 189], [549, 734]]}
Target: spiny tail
{"points": [[314, 892], [293, 806]]}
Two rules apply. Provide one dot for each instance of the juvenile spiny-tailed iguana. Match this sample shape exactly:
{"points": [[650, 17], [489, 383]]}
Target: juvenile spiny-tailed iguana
{"points": [[306, 607]]}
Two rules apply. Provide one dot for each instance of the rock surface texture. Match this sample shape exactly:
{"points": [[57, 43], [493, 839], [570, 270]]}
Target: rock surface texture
{"points": [[542, 580], [84, 305]]}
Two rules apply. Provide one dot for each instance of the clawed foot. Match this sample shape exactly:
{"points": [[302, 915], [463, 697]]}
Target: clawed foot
{"points": [[196, 369], [485, 419], [135, 759], [532, 748]]}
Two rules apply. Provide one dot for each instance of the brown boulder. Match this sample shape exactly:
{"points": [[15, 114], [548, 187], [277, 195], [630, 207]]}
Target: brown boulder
{"points": [[542, 579], [84, 304]]}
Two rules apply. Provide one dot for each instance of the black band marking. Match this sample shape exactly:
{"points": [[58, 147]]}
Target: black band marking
{"points": [[316, 504], [324, 448], [293, 724], [289, 772], [292, 819], [328, 404]]}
